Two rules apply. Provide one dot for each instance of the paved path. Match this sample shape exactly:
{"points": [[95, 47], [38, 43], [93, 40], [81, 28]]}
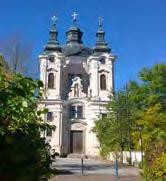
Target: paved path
{"points": [[94, 178], [94, 170]]}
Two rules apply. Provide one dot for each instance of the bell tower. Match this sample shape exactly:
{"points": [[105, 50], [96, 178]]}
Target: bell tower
{"points": [[101, 67], [51, 61], [51, 64]]}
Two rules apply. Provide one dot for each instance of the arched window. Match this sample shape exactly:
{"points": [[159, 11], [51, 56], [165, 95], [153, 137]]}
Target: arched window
{"points": [[49, 116], [50, 80], [102, 82]]}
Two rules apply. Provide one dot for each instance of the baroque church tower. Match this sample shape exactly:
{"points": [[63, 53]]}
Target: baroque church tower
{"points": [[78, 81]]}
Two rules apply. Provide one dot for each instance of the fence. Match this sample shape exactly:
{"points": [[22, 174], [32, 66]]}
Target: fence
{"points": [[136, 157]]}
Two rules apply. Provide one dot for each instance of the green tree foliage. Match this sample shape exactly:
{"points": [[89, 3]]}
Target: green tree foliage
{"points": [[24, 155], [142, 105], [152, 117], [112, 130]]}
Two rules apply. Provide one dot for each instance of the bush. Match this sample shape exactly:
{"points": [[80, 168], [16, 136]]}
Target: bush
{"points": [[155, 165], [24, 154]]}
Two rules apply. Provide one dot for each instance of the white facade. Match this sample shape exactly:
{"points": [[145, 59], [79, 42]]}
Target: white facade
{"points": [[75, 95]]}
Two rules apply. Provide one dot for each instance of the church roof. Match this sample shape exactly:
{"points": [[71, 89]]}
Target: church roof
{"points": [[101, 45], [75, 49], [53, 44], [74, 45]]}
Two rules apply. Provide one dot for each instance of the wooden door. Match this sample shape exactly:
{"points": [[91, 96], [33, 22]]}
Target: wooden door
{"points": [[76, 141]]}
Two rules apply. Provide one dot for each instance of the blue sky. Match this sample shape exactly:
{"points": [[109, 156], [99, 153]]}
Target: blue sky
{"points": [[135, 29]]}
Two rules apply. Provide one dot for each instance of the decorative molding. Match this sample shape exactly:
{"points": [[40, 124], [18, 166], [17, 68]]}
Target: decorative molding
{"points": [[51, 69], [103, 70]]}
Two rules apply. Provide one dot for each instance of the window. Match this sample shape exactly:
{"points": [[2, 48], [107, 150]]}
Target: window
{"points": [[80, 112], [49, 116], [49, 132], [102, 61], [76, 112], [72, 112], [51, 59], [102, 82], [50, 80]]}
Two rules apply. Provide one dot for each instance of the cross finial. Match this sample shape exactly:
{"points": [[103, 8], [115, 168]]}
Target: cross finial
{"points": [[54, 20], [100, 20], [74, 15]]}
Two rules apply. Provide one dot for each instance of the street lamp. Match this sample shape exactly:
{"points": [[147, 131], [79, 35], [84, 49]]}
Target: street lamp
{"points": [[129, 123], [140, 128]]}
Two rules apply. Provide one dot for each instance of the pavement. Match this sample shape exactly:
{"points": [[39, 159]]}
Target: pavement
{"points": [[94, 170]]}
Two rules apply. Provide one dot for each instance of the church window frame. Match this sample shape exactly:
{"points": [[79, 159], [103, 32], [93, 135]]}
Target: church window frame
{"points": [[51, 59], [80, 112], [49, 132], [76, 111], [102, 60], [103, 82], [73, 111], [51, 80], [50, 116]]}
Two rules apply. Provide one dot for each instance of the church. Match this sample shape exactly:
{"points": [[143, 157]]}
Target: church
{"points": [[78, 81]]}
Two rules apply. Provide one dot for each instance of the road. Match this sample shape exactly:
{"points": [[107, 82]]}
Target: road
{"points": [[94, 170]]}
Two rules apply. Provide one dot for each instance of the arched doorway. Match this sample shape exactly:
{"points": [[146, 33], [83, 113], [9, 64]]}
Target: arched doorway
{"points": [[76, 141], [77, 137]]}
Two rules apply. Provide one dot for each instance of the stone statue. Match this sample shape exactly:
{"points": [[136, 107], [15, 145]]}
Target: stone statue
{"points": [[76, 88]]}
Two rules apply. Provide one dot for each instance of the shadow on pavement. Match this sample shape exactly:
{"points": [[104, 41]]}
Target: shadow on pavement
{"points": [[63, 172]]}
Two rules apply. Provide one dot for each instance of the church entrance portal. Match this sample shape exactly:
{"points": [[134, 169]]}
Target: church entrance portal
{"points": [[76, 141]]}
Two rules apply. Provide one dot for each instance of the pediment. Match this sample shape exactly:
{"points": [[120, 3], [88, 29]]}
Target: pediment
{"points": [[51, 69], [104, 70]]}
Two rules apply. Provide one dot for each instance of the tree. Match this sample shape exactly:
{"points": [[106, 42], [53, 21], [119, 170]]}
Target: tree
{"points": [[111, 131], [152, 117], [24, 154], [17, 54], [145, 108], [4, 68]]}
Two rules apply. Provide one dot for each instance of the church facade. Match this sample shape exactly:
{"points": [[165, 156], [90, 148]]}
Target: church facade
{"points": [[78, 81]]}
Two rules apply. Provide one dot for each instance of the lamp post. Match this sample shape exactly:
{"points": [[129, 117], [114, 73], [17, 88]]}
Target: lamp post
{"points": [[141, 145], [116, 167], [129, 127], [140, 128]]}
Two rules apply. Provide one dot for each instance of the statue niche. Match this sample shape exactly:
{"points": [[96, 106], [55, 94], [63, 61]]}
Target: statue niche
{"points": [[76, 89]]}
